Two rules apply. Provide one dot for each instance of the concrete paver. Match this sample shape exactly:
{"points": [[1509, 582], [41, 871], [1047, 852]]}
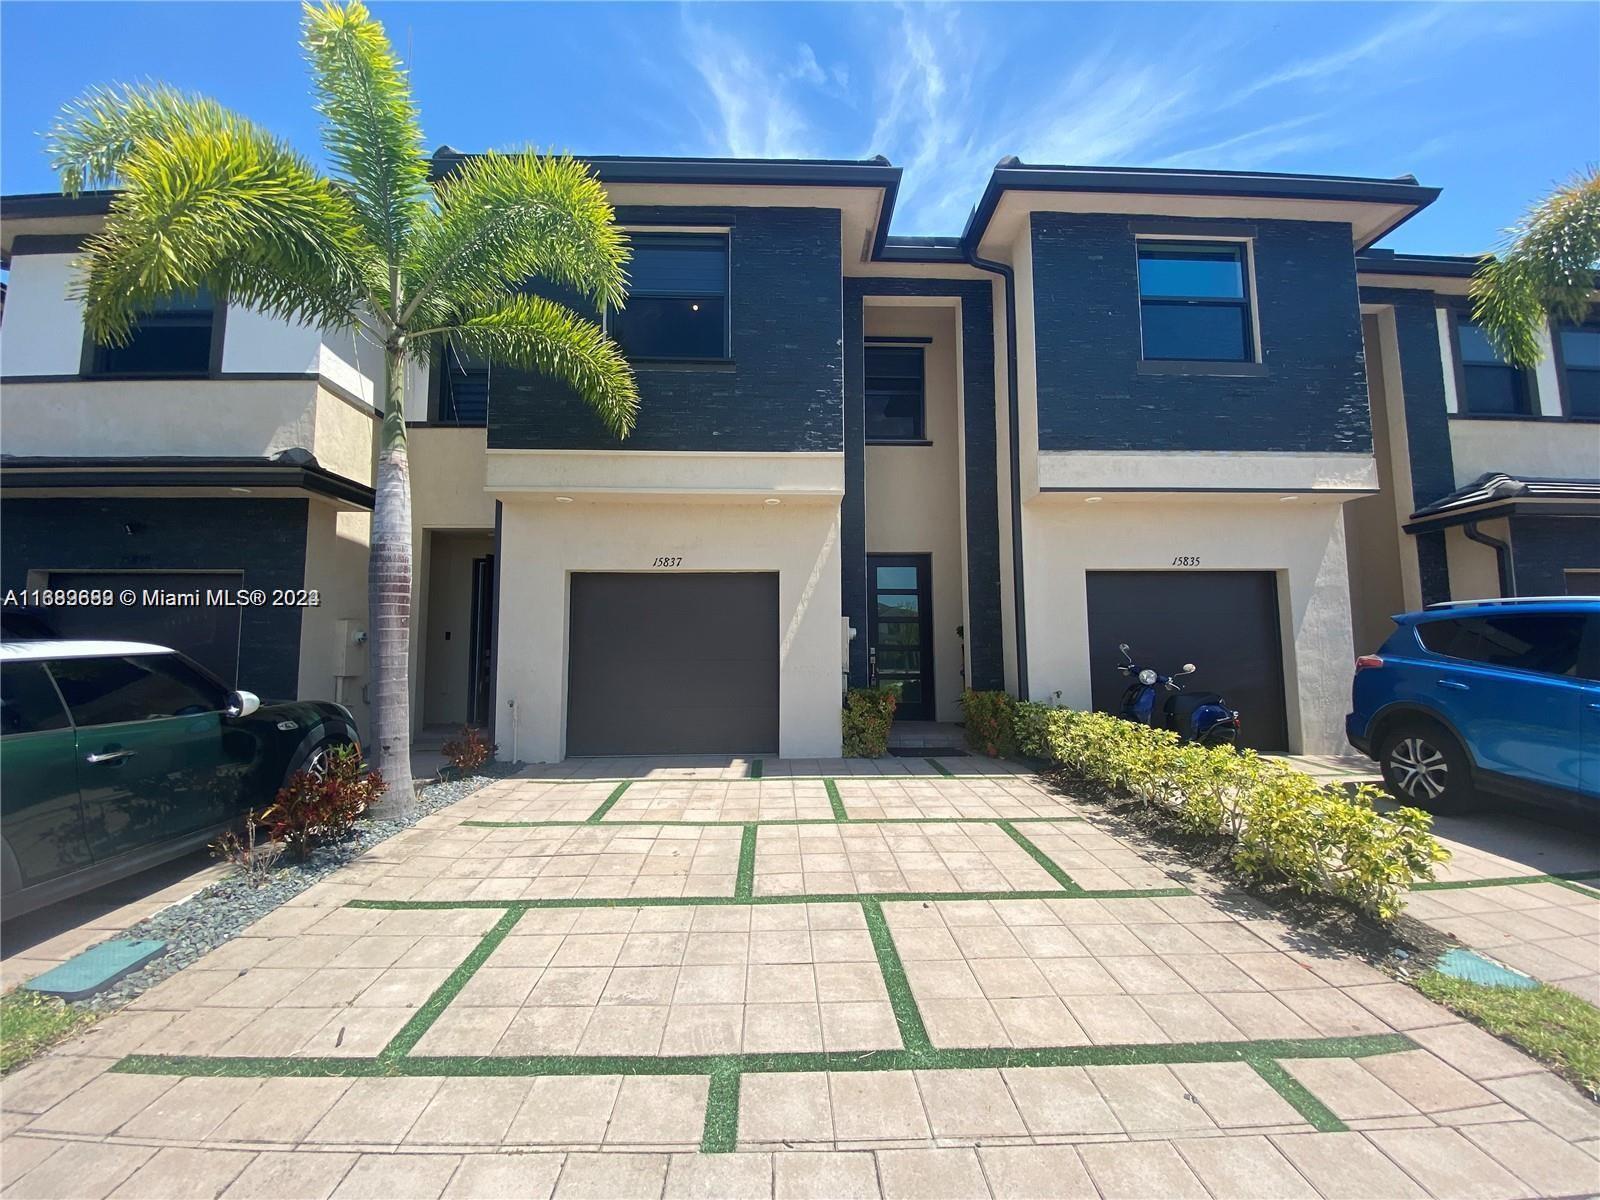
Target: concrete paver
{"points": [[987, 995]]}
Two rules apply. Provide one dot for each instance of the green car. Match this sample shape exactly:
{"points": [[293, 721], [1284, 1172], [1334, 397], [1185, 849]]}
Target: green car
{"points": [[116, 756]]}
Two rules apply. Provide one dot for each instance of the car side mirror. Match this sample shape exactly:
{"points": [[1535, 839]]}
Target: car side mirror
{"points": [[242, 704]]}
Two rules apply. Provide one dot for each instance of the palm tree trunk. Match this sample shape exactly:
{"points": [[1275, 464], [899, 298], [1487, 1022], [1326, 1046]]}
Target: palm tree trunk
{"points": [[389, 593]]}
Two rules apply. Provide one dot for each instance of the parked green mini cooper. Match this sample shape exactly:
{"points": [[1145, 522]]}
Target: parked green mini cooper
{"points": [[116, 756]]}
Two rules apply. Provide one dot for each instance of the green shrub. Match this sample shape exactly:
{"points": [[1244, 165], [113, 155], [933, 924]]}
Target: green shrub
{"points": [[1287, 828], [868, 713], [989, 722]]}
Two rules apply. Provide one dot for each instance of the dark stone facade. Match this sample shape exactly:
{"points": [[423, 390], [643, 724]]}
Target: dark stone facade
{"points": [[1543, 548], [1312, 397], [266, 539], [782, 389]]}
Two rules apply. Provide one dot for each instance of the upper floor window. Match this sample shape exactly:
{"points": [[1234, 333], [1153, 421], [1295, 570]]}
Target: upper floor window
{"points": [[1580, 362], [463, 388], [1489, 383], [894, 378], [173, 338], [1194, 301], [677, 298]]}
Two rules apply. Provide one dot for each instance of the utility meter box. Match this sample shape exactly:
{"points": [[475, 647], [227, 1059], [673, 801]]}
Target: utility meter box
{"points": [[349, 648]]}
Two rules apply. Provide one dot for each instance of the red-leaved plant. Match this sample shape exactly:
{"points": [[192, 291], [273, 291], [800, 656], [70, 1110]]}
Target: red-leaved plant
{"points": [[311, 809], [469, 751]]}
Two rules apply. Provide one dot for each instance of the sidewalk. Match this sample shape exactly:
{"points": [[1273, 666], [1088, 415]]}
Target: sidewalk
{"points": [[943, 984]]}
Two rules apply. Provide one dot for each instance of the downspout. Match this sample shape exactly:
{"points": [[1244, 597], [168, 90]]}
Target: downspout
{"points": [[1502, 554], [1018, 599]]}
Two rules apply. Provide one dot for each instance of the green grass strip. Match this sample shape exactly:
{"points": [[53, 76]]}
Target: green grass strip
{"points": [[802, 898], [913, 1033], [832, 788], [755, 769], [745, 885], [411, 1032], [940, 767], [721, 1134], [975, 1058], [1065, 817], [1318, 1114], [1562, 878], [610, 801], [1040, 857]]}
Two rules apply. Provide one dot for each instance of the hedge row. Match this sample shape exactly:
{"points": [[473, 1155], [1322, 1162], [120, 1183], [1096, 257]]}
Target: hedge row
{"points": [[1286, 827]]}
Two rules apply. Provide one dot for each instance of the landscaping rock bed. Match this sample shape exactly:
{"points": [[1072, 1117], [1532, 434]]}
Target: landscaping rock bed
{"points": [[227, 908]]}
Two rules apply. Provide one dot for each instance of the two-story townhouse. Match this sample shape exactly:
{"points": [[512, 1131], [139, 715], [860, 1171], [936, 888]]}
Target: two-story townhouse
{"points": [[1192, 411]]}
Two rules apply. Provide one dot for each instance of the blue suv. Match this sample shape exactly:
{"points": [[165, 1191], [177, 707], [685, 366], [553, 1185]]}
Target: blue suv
{"points": [[1498, 696]]}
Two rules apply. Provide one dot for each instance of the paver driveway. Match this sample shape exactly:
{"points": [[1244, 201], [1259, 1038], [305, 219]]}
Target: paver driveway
{"points": [[926, 983]]}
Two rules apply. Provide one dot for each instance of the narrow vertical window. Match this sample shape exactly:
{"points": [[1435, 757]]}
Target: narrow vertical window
{"points": [[1194, 302], [895, 394], [1580, 374]]}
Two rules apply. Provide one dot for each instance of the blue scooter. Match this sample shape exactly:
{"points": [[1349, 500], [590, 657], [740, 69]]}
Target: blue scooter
{"points": [[1202, 717]]}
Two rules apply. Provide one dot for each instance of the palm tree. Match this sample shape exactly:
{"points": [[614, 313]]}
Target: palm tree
{"points": [[1547, 268], [209, 200]]}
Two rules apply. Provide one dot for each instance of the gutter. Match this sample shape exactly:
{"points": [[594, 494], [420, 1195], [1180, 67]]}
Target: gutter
{"points": [[1502, 554], [1019, 600]]}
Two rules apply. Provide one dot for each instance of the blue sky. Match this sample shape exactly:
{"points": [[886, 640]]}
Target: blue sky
{"points": [[1492, 102]]}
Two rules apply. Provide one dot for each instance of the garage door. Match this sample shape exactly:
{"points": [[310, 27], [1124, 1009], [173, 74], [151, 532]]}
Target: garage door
{"points": [[673, 664], [1225, 622], [209, 634]]}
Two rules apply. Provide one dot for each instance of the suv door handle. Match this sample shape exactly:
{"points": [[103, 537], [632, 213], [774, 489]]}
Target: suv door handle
{"points": [[1454, 685], [106, 756]]}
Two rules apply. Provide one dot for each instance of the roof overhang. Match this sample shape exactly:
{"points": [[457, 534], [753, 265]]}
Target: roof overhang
{"points": [[183, 476], [1371, 207], [1499, 495]]}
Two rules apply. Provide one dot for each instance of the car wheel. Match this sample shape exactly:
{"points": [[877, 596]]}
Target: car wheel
{"points": [[1424, 765], [316, 763]]}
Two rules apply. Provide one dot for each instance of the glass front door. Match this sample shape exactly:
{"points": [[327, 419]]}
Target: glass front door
{"points": [[901, 642]]}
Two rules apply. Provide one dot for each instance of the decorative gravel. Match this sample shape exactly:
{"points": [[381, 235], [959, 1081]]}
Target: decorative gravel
{"points": [[228, 907]]}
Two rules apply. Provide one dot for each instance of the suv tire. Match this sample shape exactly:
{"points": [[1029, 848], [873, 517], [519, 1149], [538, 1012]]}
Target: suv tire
{"points": [[1424, 765]]}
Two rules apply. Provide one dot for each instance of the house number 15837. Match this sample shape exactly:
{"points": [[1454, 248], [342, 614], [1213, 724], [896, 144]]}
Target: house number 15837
{"points": [[667, 562]]}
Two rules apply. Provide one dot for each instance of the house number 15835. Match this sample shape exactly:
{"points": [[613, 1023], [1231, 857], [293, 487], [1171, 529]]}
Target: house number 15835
{"points": [[668, 562], [1186, 560]]}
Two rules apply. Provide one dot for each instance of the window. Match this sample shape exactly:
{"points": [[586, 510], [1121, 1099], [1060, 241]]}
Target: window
{"points": [[1547, 643], [463, 388], [28, 700], [677, 298], [110, 691], [1580, 359], [894, 393], [174, 338], [1490, 384], [1194, 302]]}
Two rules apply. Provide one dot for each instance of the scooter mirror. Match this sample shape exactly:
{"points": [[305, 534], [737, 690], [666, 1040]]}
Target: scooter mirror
{"points": [[1123, 646], [1188, 669]]}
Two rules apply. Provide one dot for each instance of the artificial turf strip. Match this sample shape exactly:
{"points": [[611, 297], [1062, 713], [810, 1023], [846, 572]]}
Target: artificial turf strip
{"points": [[721, 1134], [1562, 878], [616, 794], [940, 767], [1299, 1097], [808, 1061], [1043, 859], [913, 1033], [745, 884], [755, 770], [832, 788], [411, 1032]]}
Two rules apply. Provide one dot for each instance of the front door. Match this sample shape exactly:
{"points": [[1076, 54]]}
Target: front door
{"points": [[480, 666], [901, 637]]}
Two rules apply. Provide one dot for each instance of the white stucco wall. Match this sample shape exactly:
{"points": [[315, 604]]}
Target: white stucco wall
{"points": [[914, 492], [542, 542], [1301, 541], [43, 330], [1474, 568], [336, 566], [1552, 449]]}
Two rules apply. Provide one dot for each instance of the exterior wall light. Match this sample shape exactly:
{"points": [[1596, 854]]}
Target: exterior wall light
{"points": [[772, 500], [1093, 499], [563, 499]]}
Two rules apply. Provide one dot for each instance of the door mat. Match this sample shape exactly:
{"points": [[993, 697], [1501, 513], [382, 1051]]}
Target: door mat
{"points": [[95, 969]]}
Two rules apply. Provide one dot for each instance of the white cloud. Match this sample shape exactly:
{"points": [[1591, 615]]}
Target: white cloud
{"points": [[755, 116]]}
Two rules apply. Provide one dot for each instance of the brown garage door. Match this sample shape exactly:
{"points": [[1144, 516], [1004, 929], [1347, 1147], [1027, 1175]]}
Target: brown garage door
{"points": [[673, 664], [1225, 622]]}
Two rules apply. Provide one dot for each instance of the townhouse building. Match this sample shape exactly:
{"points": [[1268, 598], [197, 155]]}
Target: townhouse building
{"points": [[1196, 412]]}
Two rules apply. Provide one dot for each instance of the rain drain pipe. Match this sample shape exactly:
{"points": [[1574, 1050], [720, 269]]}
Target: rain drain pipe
{"points": [[1502, 555], [1018, 604]]}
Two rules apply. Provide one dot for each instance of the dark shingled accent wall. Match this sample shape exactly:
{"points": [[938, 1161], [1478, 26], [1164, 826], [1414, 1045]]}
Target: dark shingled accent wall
{"points": [[984, 649], [1427, 422], [783, 388], [266, 539], [1086, 323], [1544, 547]]}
